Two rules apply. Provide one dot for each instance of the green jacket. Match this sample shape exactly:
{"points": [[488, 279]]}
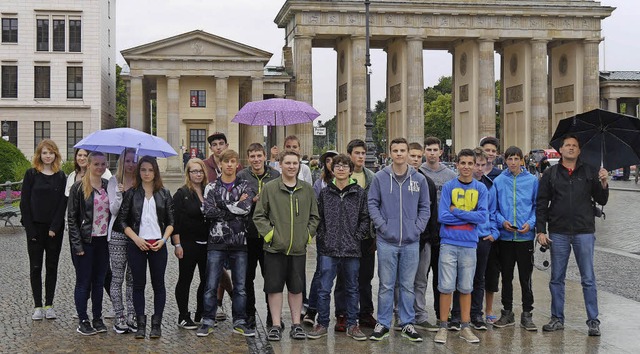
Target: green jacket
{"points": [[286, 220]]}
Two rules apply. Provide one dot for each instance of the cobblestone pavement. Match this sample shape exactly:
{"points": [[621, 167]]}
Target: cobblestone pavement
{"points": [[616, 269]]}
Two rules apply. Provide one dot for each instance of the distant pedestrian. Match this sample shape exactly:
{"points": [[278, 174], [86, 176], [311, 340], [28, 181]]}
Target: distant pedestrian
{"points": [[326, 176]]}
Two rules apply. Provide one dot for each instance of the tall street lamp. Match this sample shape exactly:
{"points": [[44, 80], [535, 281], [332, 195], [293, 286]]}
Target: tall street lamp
{"points": [[368, 125]]}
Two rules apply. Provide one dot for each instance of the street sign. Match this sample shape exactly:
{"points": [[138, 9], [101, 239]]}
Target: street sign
{"points": [[321, 131], [449, 142]]}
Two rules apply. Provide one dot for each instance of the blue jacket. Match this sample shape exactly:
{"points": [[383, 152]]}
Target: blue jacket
{"points": [[399, 211], [459, 226], [516, 203], [489, 227]]}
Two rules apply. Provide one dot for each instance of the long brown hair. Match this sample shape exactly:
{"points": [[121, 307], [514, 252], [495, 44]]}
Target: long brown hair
{"points": [[120, 169], [187, 179], [37, 161], [86, 179], [157, 179]]}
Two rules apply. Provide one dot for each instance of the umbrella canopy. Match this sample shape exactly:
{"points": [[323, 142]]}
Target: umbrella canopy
{"points": [[607, 139], [276, 111], [114, 141]]}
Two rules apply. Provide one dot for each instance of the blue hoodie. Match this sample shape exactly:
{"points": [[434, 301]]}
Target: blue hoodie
{"points": [[459, 226], [516, 203], [399, 211], [489, 227]]}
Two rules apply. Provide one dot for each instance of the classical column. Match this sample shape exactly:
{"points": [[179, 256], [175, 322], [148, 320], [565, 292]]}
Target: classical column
{"points": [[173, 121], [358, 90], [136, 103], [486, 88], [415, 91], [222, 119], [539, 95], [304, 91], [612, 105], [591, 92], [255, 134]]}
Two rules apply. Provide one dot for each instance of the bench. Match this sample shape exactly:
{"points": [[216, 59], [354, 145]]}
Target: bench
{"points": [[8, 211], [9, 204]]}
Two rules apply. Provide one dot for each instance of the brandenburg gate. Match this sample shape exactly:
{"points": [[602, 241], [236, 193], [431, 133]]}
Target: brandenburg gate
{"points": [[548, 62]]}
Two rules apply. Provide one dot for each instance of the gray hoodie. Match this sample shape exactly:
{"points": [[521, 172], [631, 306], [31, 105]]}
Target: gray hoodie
{"points": [[440, 176]]}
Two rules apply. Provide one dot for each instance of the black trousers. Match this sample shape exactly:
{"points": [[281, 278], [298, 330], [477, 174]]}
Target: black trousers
{"points": [[193, 255], [37, 248], [435, 258], [477, 295], [255, 256], [511, 254]]}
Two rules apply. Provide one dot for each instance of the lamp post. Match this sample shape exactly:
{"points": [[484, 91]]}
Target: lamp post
{"points": [[368, 125], [5, 130]]}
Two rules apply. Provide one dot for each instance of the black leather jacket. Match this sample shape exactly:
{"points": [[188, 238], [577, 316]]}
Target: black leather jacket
{"points": [[131, 209], [80, 216]]}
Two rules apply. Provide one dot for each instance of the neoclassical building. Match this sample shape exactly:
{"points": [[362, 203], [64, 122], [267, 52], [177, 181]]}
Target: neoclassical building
{"points": [[199, 81], [620, 87]]}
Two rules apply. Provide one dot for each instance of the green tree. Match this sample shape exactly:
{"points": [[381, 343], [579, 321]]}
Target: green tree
{"points": [[13, 163], [437, 117], [379, 120], [121, 100]]}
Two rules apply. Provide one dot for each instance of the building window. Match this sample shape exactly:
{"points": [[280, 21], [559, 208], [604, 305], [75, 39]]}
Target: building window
{"points": [[197, 140], [198, 98], [10, 130], [74, 134], [9, 81], [42, 82], [75, 35], [74, 82], [42, 35], [109, 8], [109, 37], [58, 35], [9, 30], [42, 130]]}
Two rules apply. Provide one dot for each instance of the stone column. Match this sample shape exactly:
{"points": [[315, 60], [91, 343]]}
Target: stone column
{"points": [[255, 134], [302, 58], [415, 91], [222, 119], [173, 121], [136, 103], [358, 90], [612, 105], [539, 95], [486, 88], [591, 91]]}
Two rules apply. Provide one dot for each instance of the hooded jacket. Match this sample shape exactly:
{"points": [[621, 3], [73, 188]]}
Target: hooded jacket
{"points": [[399, 210], [489, 227], [344, 220], [516, 203], [440, 176], [459, 226]]}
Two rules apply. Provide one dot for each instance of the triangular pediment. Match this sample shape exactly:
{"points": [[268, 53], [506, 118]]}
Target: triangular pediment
{"points": [[196, 45]]}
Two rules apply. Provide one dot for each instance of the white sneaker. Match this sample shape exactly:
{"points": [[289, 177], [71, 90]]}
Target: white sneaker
{"points": [[38, 314], [49, 313]]}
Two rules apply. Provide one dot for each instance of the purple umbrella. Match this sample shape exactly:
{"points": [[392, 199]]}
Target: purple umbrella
{"points": [[276, 111], [114, 141]]}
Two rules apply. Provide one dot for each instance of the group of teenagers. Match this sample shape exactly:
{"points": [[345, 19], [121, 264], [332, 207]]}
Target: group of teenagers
{"points": [[467, 228]]}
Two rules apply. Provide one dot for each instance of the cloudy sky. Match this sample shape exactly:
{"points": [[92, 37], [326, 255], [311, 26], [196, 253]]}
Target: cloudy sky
{"points": [[251, 22]]}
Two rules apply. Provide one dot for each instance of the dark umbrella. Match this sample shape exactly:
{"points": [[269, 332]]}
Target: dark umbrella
{"points": [[607, 139]]}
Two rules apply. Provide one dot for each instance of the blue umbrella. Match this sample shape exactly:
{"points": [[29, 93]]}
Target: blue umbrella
{"points": [[114, 141]]}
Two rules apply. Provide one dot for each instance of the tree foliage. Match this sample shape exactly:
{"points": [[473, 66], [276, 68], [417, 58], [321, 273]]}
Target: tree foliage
{"points": [[13, 163], [438, 109], [121, 100]]}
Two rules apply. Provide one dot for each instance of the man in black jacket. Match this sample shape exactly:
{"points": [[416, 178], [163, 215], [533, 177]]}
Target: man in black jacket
{"points": [[565, 202]]}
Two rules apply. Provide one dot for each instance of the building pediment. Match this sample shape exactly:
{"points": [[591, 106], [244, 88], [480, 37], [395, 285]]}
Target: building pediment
{"points": [[198, 46]]}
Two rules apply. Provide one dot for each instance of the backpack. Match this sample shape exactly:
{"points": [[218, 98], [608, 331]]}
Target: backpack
{"points": [[598, 211]]}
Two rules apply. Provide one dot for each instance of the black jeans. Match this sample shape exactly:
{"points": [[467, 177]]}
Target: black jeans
{"points": [[365, 275], [477, 295], [193, 255], [157, 266], [36, 249], [255, 255], [510, 254], [435, 258], [91, 269]]}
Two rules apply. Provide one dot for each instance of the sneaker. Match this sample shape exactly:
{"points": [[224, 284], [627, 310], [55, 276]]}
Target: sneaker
{"points": [[454, 325], [554, 325], [309, 318], [355, 333], [204, 330], [242, 328], [341, 324], [380, 332], [506, 319], [297, 332], [318, 331], [109, 314], [409, 332], [594, 328], [49, 313], [187, 323], [132, 323], [427, 326], [38, 314], [468, 335], [274, 334], [220, 314], [368, 321], [84, 328], [98, 325], [441, 336], [490, 319], [120, 325], [479, 324], [526, 322]]}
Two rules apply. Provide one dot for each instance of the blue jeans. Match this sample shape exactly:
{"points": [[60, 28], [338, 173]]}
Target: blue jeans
{"points": [[91, 269], [328, 267], [397, 263], [582, 245], [237, 261], [456, 269]]}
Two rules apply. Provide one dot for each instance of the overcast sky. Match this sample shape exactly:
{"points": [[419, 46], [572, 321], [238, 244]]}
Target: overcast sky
{"points": [[251, 22]]}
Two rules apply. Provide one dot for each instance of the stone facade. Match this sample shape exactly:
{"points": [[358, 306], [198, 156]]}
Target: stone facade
{"points": [[46, 109], [620, 87]]}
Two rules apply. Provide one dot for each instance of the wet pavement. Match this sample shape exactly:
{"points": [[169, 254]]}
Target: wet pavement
{"points": [[617, 261]]}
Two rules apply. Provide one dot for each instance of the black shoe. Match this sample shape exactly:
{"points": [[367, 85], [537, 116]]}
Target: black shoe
{"points": [[479, 324], [454, 325], [380, 332], [142, 327], [156, 327], [554, 325], [99, 326], [409, 332], [594, 328], [84, 328], [507, 318], [186, 322]]}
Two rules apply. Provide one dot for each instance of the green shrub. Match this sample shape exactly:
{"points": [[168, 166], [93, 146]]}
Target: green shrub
{"points": [[13, 164], [67, 167]]}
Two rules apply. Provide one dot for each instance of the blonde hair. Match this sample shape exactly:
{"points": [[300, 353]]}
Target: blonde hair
{"points": [[187, 179], [51, 146], [86, 179], [123, 156]]}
